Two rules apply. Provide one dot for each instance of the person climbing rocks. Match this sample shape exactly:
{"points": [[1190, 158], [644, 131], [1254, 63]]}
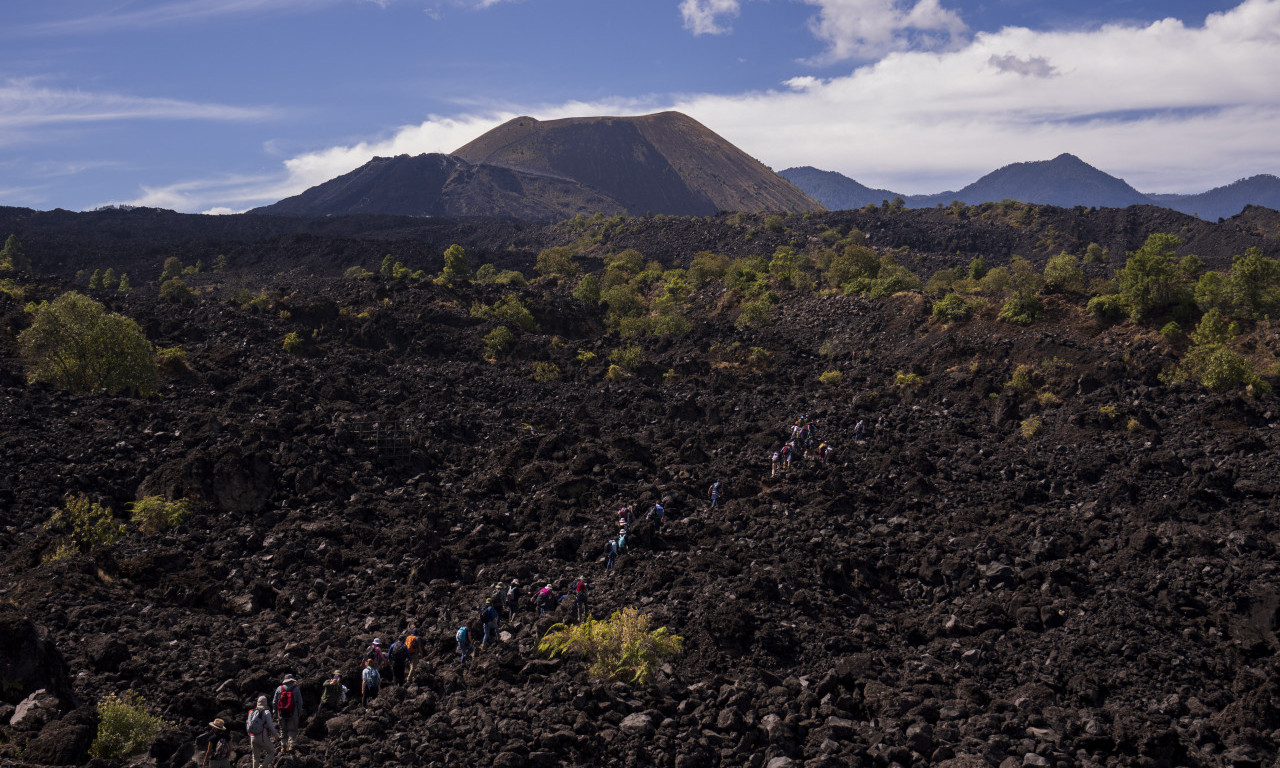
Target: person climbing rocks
{"points": [[714, 493], [622, 539], [773, 464], [398, 655], [657, 514], [581, 609], [217, 741], [287, 704], [512, 599], [412, 644], [784, 456], [545, 600], [488, 622], [465, 646], [332, 694], [860, 430], [262, 731], [370, 682], [376, 653], [626, 516], [610, 553]]}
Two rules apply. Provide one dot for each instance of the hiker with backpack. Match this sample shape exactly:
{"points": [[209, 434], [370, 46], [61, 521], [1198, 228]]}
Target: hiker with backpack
{"points": [[370, 682], [333, 694], [465, 646], [545, 600], [785, 456], [773, 464], [610, 553], [860, 430], [262, 730], [488, 622], [580, 607], [376, 653], [714, 493], [287, 704], [413, 644], [657, 513], [398, 655], [217, 750]]}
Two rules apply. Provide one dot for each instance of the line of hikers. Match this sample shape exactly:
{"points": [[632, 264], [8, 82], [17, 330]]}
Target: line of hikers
{"points": [[802, 444]]}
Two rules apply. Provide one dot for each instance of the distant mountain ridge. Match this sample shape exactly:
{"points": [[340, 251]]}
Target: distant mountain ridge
{"points": [[531, 169], [1065, 181]]}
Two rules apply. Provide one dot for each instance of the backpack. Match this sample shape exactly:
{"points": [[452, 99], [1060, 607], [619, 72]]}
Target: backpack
{"points": [[371, 678], [285, 704], [398, 651], [257, 724], [462, 636], [622, 542], [411, 644], [221, 747], [375, 653]]}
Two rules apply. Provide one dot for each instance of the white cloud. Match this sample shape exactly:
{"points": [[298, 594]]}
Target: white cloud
{"points": [[26, 106], [1167, 107], [868, 29], [708, 17]]}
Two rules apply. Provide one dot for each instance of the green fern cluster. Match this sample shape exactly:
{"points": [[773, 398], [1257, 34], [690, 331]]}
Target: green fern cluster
{"points": [[619, 648]]}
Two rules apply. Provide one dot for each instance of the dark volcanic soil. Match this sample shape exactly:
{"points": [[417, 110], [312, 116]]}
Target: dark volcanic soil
{"points": [[948, 592]]}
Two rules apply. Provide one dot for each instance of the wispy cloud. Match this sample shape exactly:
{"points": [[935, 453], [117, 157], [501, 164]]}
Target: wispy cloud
{"points": [[708, 17], [25, 105], [1168, 107], [869, 29], [168, 13]]}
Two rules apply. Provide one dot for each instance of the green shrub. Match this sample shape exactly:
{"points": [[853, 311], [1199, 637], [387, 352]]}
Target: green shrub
{"points": [[172, 360], [953, 308], [707, 266], [616, 372], [125, 728], [545, 371], [95, 281], [630, 357], [292, 342], [358, 273], [152, 514], [85, 523], [759, 358], [1047, 398], [908, 380], [486, 273], [755, 312], [511, 279], [124, 286], [1023, 379], [1110, 307], [1171, 331], [1022, 308], [1030, 427], [1150, 282], [498, 340], [978, 268], [831, 378], [588, 290], [509, 310], [1062, 274], [557, 261], [585, 356], [175, 291], [1111, 412], [619, 648], [75, 344], [1095, 254], [1212, 362]]}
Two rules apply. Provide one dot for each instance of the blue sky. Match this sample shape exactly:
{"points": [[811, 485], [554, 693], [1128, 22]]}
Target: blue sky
{"points": [[222, 105]]}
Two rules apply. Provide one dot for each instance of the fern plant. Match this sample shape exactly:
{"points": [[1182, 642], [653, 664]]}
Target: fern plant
{"points": [[621, 647]]}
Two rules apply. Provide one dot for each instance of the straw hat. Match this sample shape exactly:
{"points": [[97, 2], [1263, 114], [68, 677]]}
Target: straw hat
{"points": [[262, 702], [219, 724]]}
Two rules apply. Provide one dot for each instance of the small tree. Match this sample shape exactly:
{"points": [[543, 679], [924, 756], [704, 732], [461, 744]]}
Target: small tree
{"points": [[1062, 274], [109, 280], [557, 261], [13, 257], [95, 281], [388, 268], [124, 283], [85, 523], [176, 291], [172, 268], [457, 269], [588, 290], [125, 728], [74, 343], [498, 340], [1150, 281]]}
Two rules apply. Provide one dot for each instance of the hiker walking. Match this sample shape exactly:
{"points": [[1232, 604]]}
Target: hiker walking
{"points": [[511, 603], [287, 704], [860, 430], [581, 609], [413, 644], [398, 655], [658, 513], [332, 694], [370, 682], [465, 646], [217, 750], [262, 730], [785, 456], [488, 622], [773, 464], [610, 553], [544, 600], [376, 653], [714, 493]]}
